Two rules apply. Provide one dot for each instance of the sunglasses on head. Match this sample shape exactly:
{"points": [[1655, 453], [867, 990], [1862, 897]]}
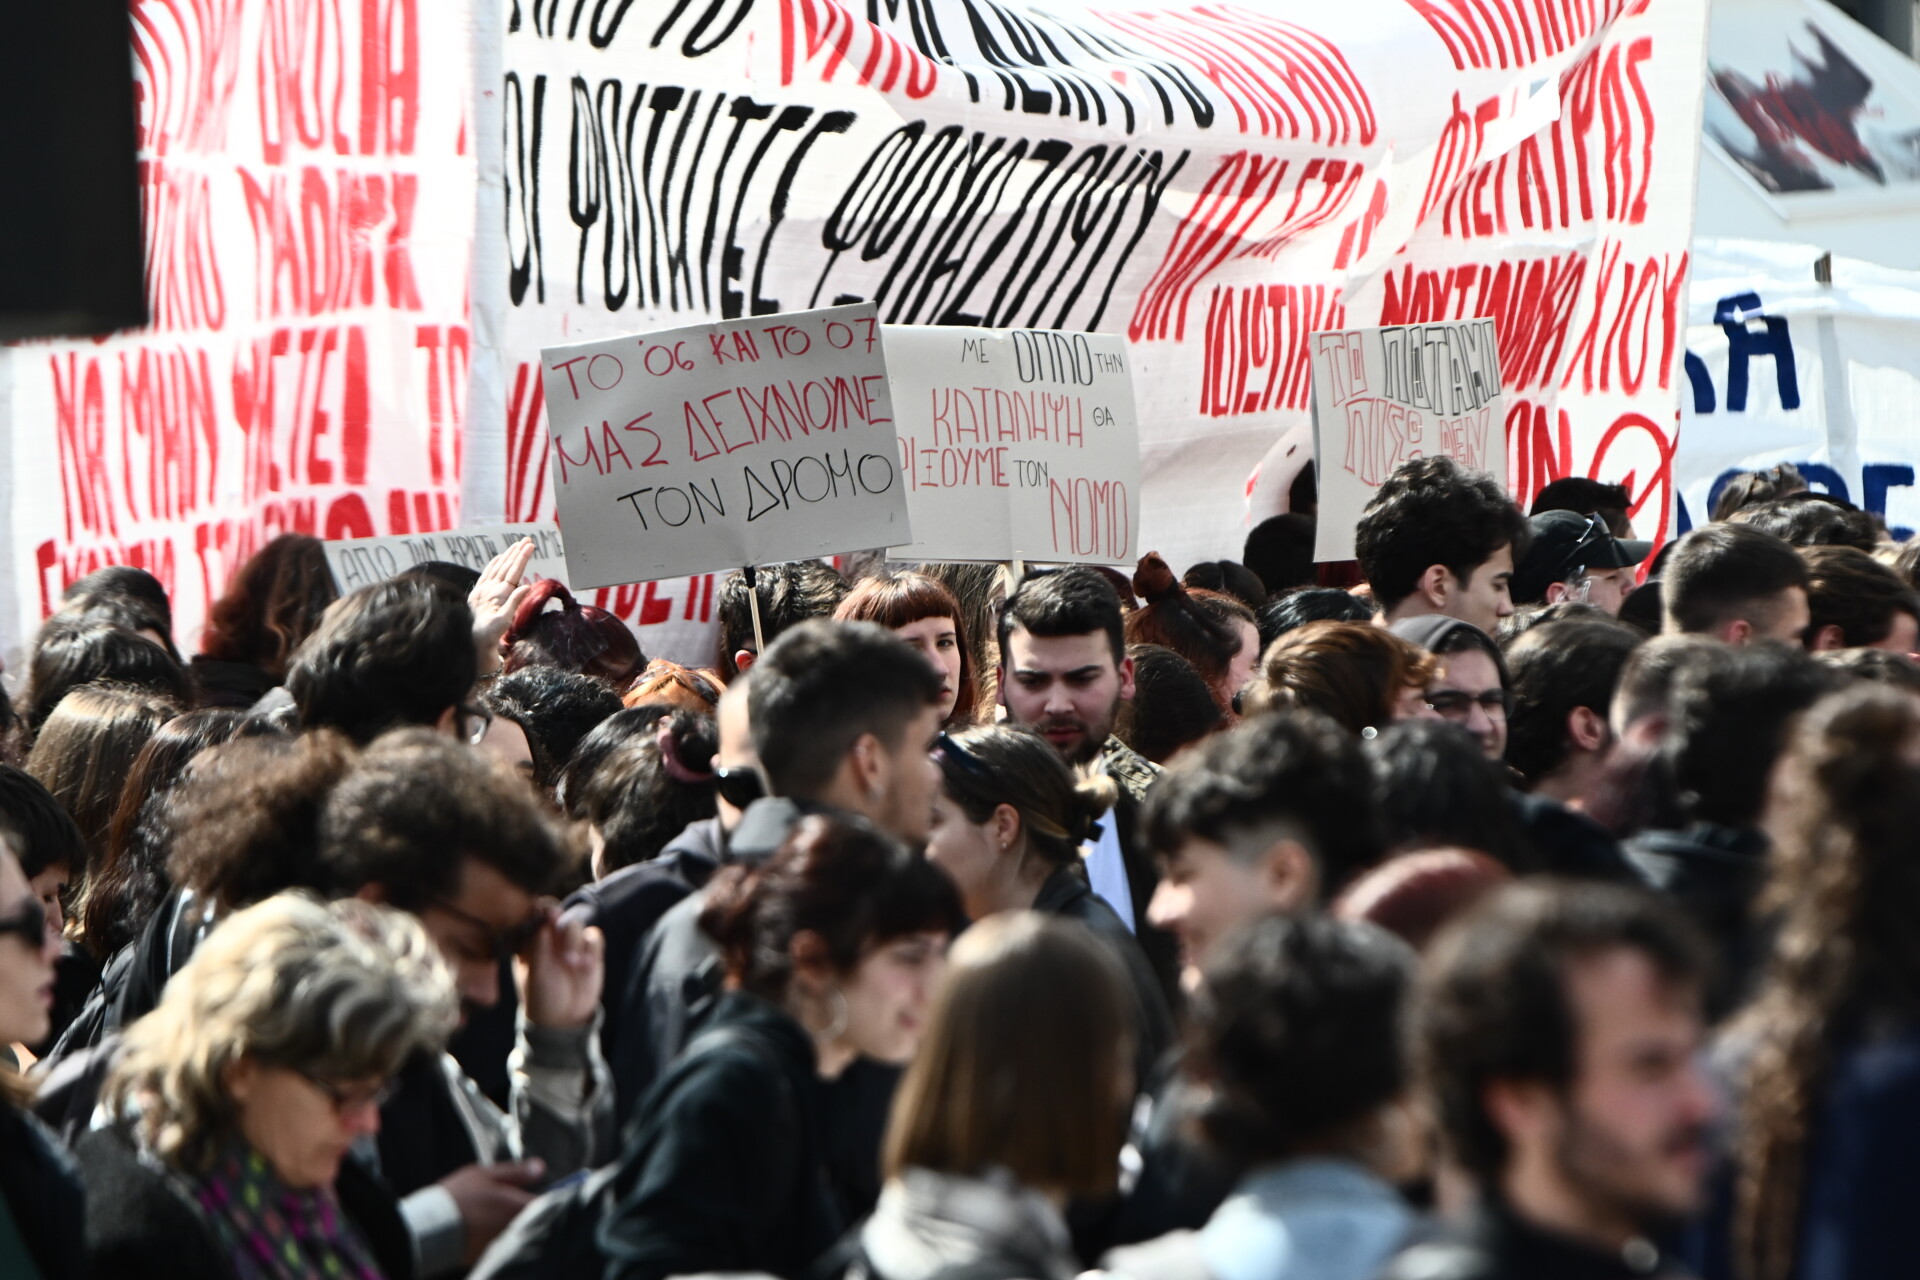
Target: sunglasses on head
{"points": [[947, 748], [739, 785], [27, 922]]}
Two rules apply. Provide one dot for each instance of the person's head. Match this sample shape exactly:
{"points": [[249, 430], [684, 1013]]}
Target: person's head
{"points": [[1844, 886], [1280, 550], [131, 593], [1558, 1027], [1227, 578], [737, 779], [789, 594], [451, 835], [125, 887], [540, 714], [1298, 1044], [1874, 666], [281, 1033], [842, 713], [648, 789], [1027, 1065], [576, 637], [29, 945], [1275, 814], [1584, 497], [1310, 604], [627, 725], [1855, 602], [1751, 488], [921, 611], [1415, 895], [1362, 676], [1439, 538], [1735, 584], [1214, 632], [273, 602], [1064, 669], [1009, 813], [73, 651], [1809, 519], [665, 683], [1642, 700], [1434, 788], [1172, 707], [85, 750], [1564, 675], [1727, 720], [979, 589], [456, 579], [1577, 558], [843, 927], [398, 652], [1469, 685], [43, 836]]}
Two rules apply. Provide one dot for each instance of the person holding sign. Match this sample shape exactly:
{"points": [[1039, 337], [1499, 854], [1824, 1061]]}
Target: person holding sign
{"points": [[1439, 538], [921, 611]]}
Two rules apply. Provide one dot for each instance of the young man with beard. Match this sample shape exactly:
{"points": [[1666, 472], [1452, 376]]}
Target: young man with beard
{"points": [[1064, 671], [1559, 1031]]}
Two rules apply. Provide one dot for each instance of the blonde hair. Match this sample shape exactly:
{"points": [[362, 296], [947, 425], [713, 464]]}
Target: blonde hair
{"points": [[340, 990]]}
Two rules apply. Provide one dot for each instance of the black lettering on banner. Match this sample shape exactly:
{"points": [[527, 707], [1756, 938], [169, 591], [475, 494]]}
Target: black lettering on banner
{"points": [[811, 479], [712, 21], [919, 204], [521, 182]]}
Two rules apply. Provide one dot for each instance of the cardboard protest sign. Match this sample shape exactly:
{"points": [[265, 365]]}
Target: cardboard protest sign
{"points": [[358, 562], [742, 442], [1384, 395], [1016, 443]]}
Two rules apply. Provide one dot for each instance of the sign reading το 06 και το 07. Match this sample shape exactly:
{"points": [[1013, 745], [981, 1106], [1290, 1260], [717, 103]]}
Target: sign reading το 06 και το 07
{"points": [[1382, 396], [733, 443], [1016, 444]]}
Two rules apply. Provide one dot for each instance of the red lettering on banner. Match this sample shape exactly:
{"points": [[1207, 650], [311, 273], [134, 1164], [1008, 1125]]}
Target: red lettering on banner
{"points": [[294, 389], [1537, 456], [318, 93], [315, 252], [1225, 222], [57, 566], [527, 447], [169, 432], [1531, 301], [1256, 348], [1617, 343], [446, 377], [80, 422], [184, 290], [649, 604], [1511, 33], [809, 26], [188, 56], [1281, 79]]}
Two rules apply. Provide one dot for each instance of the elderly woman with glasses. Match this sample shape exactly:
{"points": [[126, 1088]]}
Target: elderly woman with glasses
{"points": [[235, 1104]]}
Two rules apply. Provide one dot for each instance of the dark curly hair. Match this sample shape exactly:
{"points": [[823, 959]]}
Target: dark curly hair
{"points": [[1492, 1002], [838, 877], [1809, 519], [788, 593], [650, 788], [1297, 1035], [1556, 667], [273, 603], [1434, 511], [554, 708], [1434, 787], [398, 652], [1293, 772]]}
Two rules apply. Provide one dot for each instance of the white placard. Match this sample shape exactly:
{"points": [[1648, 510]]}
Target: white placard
{"points": [[742, 442], [359, 562], [1382, 396], [1016, 443]]}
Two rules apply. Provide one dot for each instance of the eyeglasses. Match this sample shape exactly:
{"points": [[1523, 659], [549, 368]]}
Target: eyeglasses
{"points": [[946, 747], [502, 944], [345, 1100], [474, 734], [739, 785], [28, 922], [1456, 705]]}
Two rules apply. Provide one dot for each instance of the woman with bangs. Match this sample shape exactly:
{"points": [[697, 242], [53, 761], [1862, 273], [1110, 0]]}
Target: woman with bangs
{"points": [[924, 613]]}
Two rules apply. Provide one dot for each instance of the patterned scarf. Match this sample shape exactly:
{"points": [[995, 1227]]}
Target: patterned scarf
{"points": [[272, 1232]]}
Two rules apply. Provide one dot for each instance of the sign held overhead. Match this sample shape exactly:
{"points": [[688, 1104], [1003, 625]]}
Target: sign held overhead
{"points": [[732, 443]]}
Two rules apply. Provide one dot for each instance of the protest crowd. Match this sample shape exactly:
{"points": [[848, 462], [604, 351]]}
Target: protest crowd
{"points": [[1527, 903]]}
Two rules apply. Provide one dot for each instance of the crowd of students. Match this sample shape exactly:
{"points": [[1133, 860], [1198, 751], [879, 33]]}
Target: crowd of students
{"points": [[1513, 903]]}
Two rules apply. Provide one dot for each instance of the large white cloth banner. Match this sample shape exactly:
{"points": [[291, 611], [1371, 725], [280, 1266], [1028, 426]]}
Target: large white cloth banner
{"points": [[307, 180], [1213, 181], [1783, 368]]}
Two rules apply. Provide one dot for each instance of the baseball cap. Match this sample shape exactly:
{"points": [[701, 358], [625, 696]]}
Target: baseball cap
{"points": [[1564, 543]]}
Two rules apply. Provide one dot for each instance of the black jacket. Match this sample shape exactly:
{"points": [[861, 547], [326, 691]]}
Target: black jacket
{"points": [[139, 1225], [43, 1193], [1496, 1245], [1714, 873], [1569, 843], [724, 1170], [1065, 894], [233, 685]]}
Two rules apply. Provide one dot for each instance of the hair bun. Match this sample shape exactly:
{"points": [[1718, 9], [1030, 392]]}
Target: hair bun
{"points": [[1094, 794], [543, 590], [1153, 579]]}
